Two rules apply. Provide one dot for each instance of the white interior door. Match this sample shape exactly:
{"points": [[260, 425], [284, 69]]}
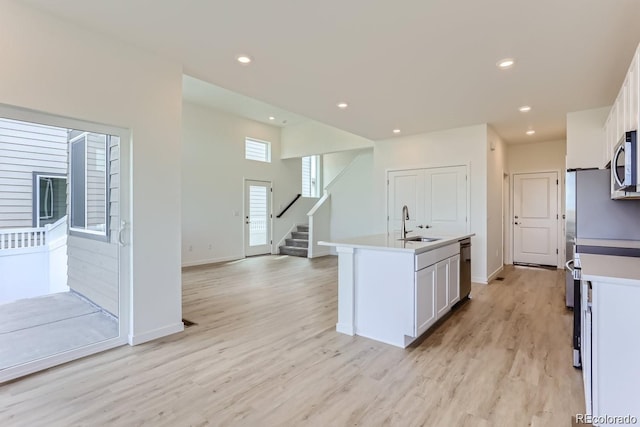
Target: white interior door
{"points": [[257, 217], [535, 218], [436, 198], [445, 200], [404, 188]]}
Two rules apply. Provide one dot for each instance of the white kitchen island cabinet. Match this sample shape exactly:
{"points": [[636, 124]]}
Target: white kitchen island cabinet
{"points": [[393, 291]]}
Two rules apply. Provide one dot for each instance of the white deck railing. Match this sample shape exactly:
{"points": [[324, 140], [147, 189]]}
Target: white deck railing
{"points": [[21, 238], [24, 238]]}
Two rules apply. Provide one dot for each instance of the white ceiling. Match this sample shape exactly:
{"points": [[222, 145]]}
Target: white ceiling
{"points": [[417, 65]]}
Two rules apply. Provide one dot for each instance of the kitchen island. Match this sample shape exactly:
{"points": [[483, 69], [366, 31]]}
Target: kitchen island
{"points": [[394, 290]]}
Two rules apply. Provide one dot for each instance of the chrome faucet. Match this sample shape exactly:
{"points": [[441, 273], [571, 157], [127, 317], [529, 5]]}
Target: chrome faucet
{"points": [[405, 216]]}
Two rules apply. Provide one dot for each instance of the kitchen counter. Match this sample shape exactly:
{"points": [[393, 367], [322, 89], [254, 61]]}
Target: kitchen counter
{"points": [[391, 242], [393, 291], [610, 269]]}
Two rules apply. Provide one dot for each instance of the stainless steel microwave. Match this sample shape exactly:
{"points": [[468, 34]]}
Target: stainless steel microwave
{"points": [[624, 166]]}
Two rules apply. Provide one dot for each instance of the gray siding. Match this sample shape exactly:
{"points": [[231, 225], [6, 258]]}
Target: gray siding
{"points": [[25, 148], [93, 264]]}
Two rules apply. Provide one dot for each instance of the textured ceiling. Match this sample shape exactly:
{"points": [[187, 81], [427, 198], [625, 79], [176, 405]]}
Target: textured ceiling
{"points": [[415, 65]]}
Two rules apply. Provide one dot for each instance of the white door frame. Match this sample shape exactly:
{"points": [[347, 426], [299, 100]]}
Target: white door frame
{"points": [[245, 213], [560, 211], [125, 326]]}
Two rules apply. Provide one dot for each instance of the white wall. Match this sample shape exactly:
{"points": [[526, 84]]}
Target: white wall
{"points": [[546, 156], [467, 145], [120, 85], [537, 157], [334, 163], [311, 137], [352, 199], [213, 174], [586, 138], [496, 167]]}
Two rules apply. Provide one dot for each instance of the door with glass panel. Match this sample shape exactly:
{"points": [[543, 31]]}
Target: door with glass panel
{"points": [[63, 247], [257, 217]]}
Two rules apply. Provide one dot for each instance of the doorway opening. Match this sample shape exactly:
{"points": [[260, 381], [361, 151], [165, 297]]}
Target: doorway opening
{"points": [[61, 240]]}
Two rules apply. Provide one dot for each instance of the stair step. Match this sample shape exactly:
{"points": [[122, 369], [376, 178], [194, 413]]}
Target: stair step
{"points": [[302, 235], [298, 243], [303, 227], [293, 250]]}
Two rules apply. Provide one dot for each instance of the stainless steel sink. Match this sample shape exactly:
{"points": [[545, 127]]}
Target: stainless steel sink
{"points": [[421, 239]]}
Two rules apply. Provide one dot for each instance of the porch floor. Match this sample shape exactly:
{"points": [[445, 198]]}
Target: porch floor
{"points": [[34, 328]]}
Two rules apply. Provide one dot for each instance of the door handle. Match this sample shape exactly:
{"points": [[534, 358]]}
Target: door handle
{"points": [[516, 223], [123, 225]]}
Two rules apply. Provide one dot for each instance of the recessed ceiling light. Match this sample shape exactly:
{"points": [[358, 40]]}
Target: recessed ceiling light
{"points": [[531, 132], [396, 131], [524, 109], [271, 118], [342, 105], [506, 63], [243, 59]]}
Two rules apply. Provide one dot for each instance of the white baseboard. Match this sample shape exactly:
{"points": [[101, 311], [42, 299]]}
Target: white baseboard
{"points": [[212, 261], [480, 280], [495, 274], [156, 333], [345, 329], [324, 252]]}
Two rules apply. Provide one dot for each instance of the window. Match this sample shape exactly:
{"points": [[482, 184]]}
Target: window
{"points": [[257, 150], [49, 198], [310, 176], [89, 179]]}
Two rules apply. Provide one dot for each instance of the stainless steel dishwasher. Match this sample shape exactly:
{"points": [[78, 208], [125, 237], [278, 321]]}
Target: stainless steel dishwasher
{"points": [[465, 268]]}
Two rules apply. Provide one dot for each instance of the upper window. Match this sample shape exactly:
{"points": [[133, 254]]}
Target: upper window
{"points": [[310, 176], [88, 187], [49, 198], [257, 150]]}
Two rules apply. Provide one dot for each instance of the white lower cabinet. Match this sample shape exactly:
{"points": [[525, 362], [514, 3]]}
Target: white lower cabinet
{"points": [[437, 289], [454, 279], [425, 307], [442, 288], [611, 352]]}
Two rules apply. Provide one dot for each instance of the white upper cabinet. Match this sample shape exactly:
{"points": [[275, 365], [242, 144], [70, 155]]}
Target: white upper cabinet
{"points": [[624, 114]]}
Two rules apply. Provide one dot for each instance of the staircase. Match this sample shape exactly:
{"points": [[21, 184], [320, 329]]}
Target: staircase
{"points": [[298, 244]]}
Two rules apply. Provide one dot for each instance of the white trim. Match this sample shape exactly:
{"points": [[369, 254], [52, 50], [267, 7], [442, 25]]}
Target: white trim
{"points": [[495, 274], [479, 280], [320, 253], [137, 339], [212, 260], [58, 359]]}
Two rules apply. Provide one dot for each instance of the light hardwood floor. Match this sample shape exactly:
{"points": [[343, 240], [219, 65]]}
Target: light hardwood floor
{"points": [[265, 352]]}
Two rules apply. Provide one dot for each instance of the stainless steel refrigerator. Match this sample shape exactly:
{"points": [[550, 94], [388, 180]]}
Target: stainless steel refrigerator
{"points": [[590, 213], [596, 224]]}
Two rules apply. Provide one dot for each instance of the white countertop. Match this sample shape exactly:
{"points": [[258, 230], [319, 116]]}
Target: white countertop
{"points": [[609, 243], [610, 269], [390, 242]]}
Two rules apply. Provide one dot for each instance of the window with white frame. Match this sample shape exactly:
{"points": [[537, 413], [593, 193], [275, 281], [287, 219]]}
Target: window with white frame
{"points": [[310, 176], [49, 198], [89, 183], [257, 150]]}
